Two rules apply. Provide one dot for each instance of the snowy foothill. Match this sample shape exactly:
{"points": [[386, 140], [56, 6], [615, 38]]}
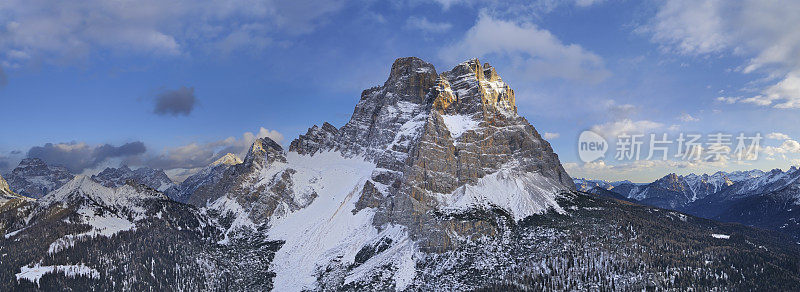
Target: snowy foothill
{"points": [[34, 273], [106, 225]]}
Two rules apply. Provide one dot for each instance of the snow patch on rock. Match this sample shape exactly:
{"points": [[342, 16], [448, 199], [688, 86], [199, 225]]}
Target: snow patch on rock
{"points": [[459, 124], [521, 194]]}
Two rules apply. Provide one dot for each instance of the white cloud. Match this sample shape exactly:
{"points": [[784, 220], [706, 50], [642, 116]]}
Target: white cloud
{"points": [[60, 31], [536, 52], [728, 99], [587, 3], [764, 32], [423, 24], [687, 118], [550, 136], [778, 136], [787, 89], [639, 170], [628, 126], [531, 7], [788, 146]]}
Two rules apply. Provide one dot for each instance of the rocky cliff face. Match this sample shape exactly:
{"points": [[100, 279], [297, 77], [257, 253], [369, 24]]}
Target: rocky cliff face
{"points": [[34, 178]]}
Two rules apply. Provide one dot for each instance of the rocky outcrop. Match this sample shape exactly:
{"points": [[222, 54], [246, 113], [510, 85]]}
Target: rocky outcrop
{"points": [[206, 177], [34, 178], [315, 139]]}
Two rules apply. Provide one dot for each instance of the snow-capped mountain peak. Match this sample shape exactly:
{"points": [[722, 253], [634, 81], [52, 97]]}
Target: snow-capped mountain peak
{"points": [[34, 178], [154, 178], [227, 159]]}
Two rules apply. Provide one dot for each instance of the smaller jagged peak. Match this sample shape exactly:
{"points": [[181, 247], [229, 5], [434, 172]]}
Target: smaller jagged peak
{"points": [[490, 74], [669, 179], [411, 65], [328, 127], [264, 150], [31, 162], [316, 138], [37, 164], [79, 184], [471, 67], [410, 80], [474, 67], [124, 169], [227, 159]]}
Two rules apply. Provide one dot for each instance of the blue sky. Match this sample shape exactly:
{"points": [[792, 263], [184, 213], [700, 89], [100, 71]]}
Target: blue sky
{"points": [[83, 75]]}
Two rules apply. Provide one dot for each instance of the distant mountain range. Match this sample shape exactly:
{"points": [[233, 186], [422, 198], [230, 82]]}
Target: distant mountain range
{"points": [[435, 183], [756, 198]]}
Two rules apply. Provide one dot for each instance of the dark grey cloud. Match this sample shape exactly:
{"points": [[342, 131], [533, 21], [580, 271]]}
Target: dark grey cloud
{"points": [[79, 156], [176, 102], [4, 164], [3, 77]]}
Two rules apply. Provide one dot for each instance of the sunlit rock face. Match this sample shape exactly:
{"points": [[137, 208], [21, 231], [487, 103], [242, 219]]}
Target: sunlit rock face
{"points": [[6, 194]]}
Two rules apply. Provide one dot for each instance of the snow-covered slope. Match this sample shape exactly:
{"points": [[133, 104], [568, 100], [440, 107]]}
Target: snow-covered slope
{"points": [[520, 194]]}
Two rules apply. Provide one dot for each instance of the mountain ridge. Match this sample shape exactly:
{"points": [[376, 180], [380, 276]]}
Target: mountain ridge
{"points": [[435, 182]]}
